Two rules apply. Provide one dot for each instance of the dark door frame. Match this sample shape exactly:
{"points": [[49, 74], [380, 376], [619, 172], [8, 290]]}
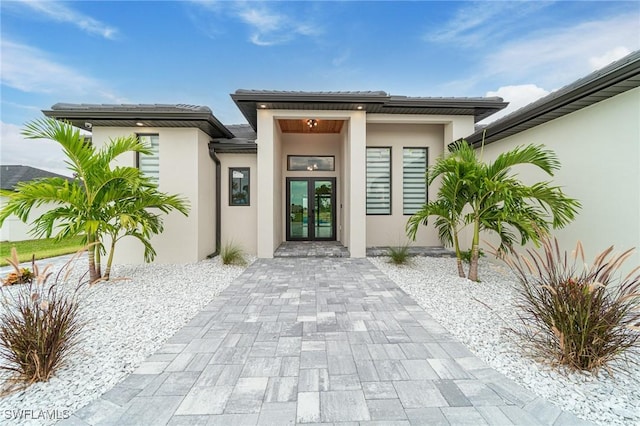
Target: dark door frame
{"points": [[311, 208]]}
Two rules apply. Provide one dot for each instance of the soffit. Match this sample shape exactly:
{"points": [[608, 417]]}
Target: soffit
{"points": [[301, 126], [372, 102]]}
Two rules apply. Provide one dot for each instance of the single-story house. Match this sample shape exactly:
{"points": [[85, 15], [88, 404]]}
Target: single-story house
{"points": [[336, 166], [13, 229], [349, 166], [593, 125]]}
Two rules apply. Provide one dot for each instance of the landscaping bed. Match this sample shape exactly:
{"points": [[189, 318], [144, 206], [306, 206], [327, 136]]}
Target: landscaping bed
{"points": [[127, 321], [480, 314]]}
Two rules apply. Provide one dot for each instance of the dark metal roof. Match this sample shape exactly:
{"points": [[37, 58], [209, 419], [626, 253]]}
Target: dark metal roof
{"points": [[11, 175], [243, 131], [244, 141], [249, 101], [150, 115], [607, 82]]}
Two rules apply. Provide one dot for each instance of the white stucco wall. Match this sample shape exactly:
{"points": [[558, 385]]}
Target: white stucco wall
{"points": [[239, 223], [389, 230], [599, 151], [187, 170], [13, 229], [344, 189]]}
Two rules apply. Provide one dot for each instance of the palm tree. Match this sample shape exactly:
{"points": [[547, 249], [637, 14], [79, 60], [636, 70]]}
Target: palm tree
{"points": [[447, 208], [96, 202], [490, 198]]}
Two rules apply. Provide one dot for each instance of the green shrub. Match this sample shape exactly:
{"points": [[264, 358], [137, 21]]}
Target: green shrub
{"points": [[579, 317], [399, 255], [232, 254], [465, 255], [39, 328]]}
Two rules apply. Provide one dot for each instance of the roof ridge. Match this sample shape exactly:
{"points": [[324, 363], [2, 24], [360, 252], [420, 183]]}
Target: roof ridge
{"points": [[127, 106], [313, 92]]}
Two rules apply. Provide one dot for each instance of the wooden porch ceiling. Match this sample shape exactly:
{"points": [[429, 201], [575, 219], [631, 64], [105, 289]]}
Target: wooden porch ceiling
{"points": [[301, 126]]}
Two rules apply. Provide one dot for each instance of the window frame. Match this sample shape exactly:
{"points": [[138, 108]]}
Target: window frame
{"points": [[426, 168], [333, 163], [138, 135], [390, 181], [246, 170]]}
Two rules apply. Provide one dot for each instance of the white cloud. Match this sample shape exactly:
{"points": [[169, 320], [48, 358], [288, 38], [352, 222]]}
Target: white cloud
{"points": [[59, 12], [262, 19], [267, 26], [556, 58], [612, 55], [30, 70], [517, 96], [476, 22], [43, 154]]}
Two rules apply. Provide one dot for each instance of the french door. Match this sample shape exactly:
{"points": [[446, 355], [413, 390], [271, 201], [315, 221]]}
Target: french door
{"points": [[311, 212]]}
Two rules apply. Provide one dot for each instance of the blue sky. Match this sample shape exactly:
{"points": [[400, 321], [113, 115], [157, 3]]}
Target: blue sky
{"points": [[198, 52]]}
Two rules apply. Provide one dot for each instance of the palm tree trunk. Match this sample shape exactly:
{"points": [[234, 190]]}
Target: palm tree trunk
{"points": [[98, 259], [473, 264], [93, 273], [456, 246], [107, 271]]}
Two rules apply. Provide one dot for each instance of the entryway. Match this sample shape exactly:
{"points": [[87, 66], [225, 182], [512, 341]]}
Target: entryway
{"points": [[311, 249], [311, 212]]}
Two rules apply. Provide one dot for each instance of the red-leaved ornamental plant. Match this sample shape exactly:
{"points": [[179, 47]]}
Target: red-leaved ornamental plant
{"points": [[39, 327], [577, 315]]}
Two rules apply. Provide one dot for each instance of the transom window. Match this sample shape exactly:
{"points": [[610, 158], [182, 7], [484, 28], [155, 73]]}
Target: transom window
{"points": [[315, 163]]}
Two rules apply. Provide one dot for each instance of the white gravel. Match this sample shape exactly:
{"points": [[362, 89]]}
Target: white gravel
{"points": [[478, 314], [127, 320]]}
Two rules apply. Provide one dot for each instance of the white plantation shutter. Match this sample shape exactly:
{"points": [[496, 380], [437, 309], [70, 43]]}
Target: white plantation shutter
{"points": [[414, 179], [149, 165], [379, 180]]}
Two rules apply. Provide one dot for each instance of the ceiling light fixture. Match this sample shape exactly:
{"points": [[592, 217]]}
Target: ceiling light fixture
{"points": [[139, 123], [263, 106], [311, 123], [359, 107]]}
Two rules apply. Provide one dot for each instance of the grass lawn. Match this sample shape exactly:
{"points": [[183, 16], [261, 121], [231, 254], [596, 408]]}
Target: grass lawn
{"points": [[43, 248]]}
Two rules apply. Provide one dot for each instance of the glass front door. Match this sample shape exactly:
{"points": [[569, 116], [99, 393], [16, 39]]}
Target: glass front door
{"points": [[311, 213]]}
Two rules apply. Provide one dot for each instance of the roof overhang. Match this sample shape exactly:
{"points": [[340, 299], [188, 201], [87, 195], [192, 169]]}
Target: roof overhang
{"points": [[233, 147], [134, 116], [612, 80], [249, 101]]}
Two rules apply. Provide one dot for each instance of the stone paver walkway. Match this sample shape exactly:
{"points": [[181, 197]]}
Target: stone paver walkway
{"points": [[311, 249], [325, 340]]}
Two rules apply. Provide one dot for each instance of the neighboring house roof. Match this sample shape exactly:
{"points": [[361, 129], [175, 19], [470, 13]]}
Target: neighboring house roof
{"points": [[249, 101], [11, 175], [605, 83], [85, 116]]}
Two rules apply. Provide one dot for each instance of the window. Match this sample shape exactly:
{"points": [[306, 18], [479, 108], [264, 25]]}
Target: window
{"points": [[311, 163], [414, 179], [379, 180], [239, 186], [149, 165]]}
